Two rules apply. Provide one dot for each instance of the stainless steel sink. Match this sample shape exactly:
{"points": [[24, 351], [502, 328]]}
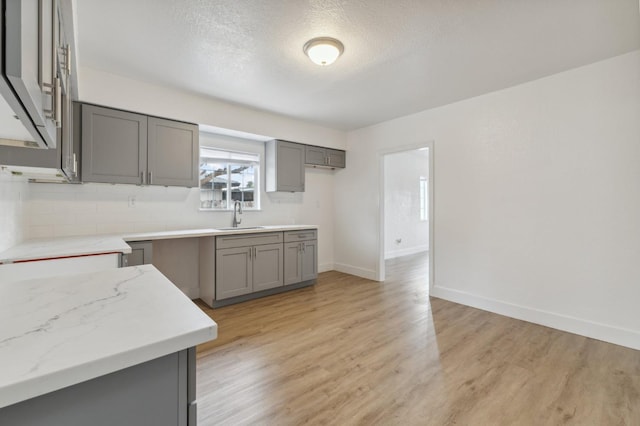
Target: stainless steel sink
{"points": [[239, 228]]}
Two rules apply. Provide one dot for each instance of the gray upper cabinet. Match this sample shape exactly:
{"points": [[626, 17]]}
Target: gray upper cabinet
{"points": [[336, 158], [114, 146], [284, 166], [318, 156], [173, 153], [30, 44], [315, 155], [126, 147]]}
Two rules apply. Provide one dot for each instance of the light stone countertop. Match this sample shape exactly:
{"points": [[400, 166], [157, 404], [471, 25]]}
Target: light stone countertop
{"points": [[98, 244], [64, 247], [60, 331]]}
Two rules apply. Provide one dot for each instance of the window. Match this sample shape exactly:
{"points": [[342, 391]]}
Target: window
{"points": [[227, 176], [424, 206]]}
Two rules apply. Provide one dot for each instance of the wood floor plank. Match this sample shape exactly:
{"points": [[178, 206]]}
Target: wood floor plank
{"points": [[353, 351]]}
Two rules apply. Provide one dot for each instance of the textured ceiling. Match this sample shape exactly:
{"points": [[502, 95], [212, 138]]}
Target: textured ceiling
{"points": [[400, 56]]}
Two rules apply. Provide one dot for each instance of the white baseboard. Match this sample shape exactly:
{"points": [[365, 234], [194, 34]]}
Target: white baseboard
{"points": [[594, 330], [354, 270], [324, 267], [405, 251]]}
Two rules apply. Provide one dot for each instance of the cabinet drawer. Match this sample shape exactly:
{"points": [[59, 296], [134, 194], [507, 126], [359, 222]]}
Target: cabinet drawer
{"points": [[247, 240], [291, 236]]}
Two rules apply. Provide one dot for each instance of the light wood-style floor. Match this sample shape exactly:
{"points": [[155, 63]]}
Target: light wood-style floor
{"points": [[352, 351]]}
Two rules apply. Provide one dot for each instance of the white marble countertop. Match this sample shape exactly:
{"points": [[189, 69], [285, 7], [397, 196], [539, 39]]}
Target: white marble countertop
{"points": [[189, 233], [60, 331], [64, 247], [97, 244]]}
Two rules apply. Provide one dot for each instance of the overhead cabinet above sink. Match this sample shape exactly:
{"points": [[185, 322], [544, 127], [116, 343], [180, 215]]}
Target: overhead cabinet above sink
{"points": [[126, 147]]}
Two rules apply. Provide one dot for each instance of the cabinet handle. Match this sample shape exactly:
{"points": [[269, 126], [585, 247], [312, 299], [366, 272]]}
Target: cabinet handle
{"points": [[68, 59], [304, 248], [141, 178], [58, 101], [55, 91], [255, 253], [75, 164], [150, 178], [250, 254], [51, 88]]}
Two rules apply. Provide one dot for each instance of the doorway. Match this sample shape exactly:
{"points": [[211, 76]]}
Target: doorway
{"points": [[406, 207]]}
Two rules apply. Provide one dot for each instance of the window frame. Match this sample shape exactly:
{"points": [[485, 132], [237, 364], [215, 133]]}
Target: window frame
{"points": [[424, 199], [256, 162]]}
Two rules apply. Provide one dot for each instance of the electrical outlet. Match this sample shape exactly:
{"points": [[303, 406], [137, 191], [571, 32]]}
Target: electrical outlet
{"points": [[132, 201]]}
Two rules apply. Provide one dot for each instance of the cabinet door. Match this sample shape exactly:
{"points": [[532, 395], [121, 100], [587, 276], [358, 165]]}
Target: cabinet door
{"points": [[267, 266], [173, 153], [69, 144], [290, 167], [315, 155], [30, 60], [309, 260], [233, 272], [336, 158], [292, 263], [114, 146]]}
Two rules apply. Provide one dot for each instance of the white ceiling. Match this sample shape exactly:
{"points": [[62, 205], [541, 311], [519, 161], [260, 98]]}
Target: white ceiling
{"points": [[400, 56]]}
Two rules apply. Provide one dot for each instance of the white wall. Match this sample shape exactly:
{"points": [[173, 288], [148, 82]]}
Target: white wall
{"points": [[13, 191], [116, 91], [537, 199], [55, 210], [402, 173]]}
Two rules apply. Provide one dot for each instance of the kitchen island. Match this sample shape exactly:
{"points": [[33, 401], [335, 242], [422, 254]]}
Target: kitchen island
{"points": [[102, 348]]}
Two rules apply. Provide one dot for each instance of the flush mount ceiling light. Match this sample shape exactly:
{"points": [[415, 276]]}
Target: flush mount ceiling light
{"points": [[323, 50]]}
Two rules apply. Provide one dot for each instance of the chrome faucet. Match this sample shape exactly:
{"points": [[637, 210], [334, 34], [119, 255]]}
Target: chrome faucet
{"points": [[237, 209]]}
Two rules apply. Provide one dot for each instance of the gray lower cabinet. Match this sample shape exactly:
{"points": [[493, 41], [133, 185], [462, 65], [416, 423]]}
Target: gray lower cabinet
{"points": [[160, 392], [300, 256], [234, 272], [284, 166], [141, 253], [248, 263], [126, 147]]}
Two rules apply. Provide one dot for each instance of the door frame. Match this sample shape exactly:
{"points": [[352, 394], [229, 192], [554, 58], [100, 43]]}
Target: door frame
{"points": [[380, 269]]}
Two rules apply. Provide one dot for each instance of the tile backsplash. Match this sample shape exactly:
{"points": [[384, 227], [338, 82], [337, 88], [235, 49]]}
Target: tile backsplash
{"points": [[55, 210], [13, 193]]}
